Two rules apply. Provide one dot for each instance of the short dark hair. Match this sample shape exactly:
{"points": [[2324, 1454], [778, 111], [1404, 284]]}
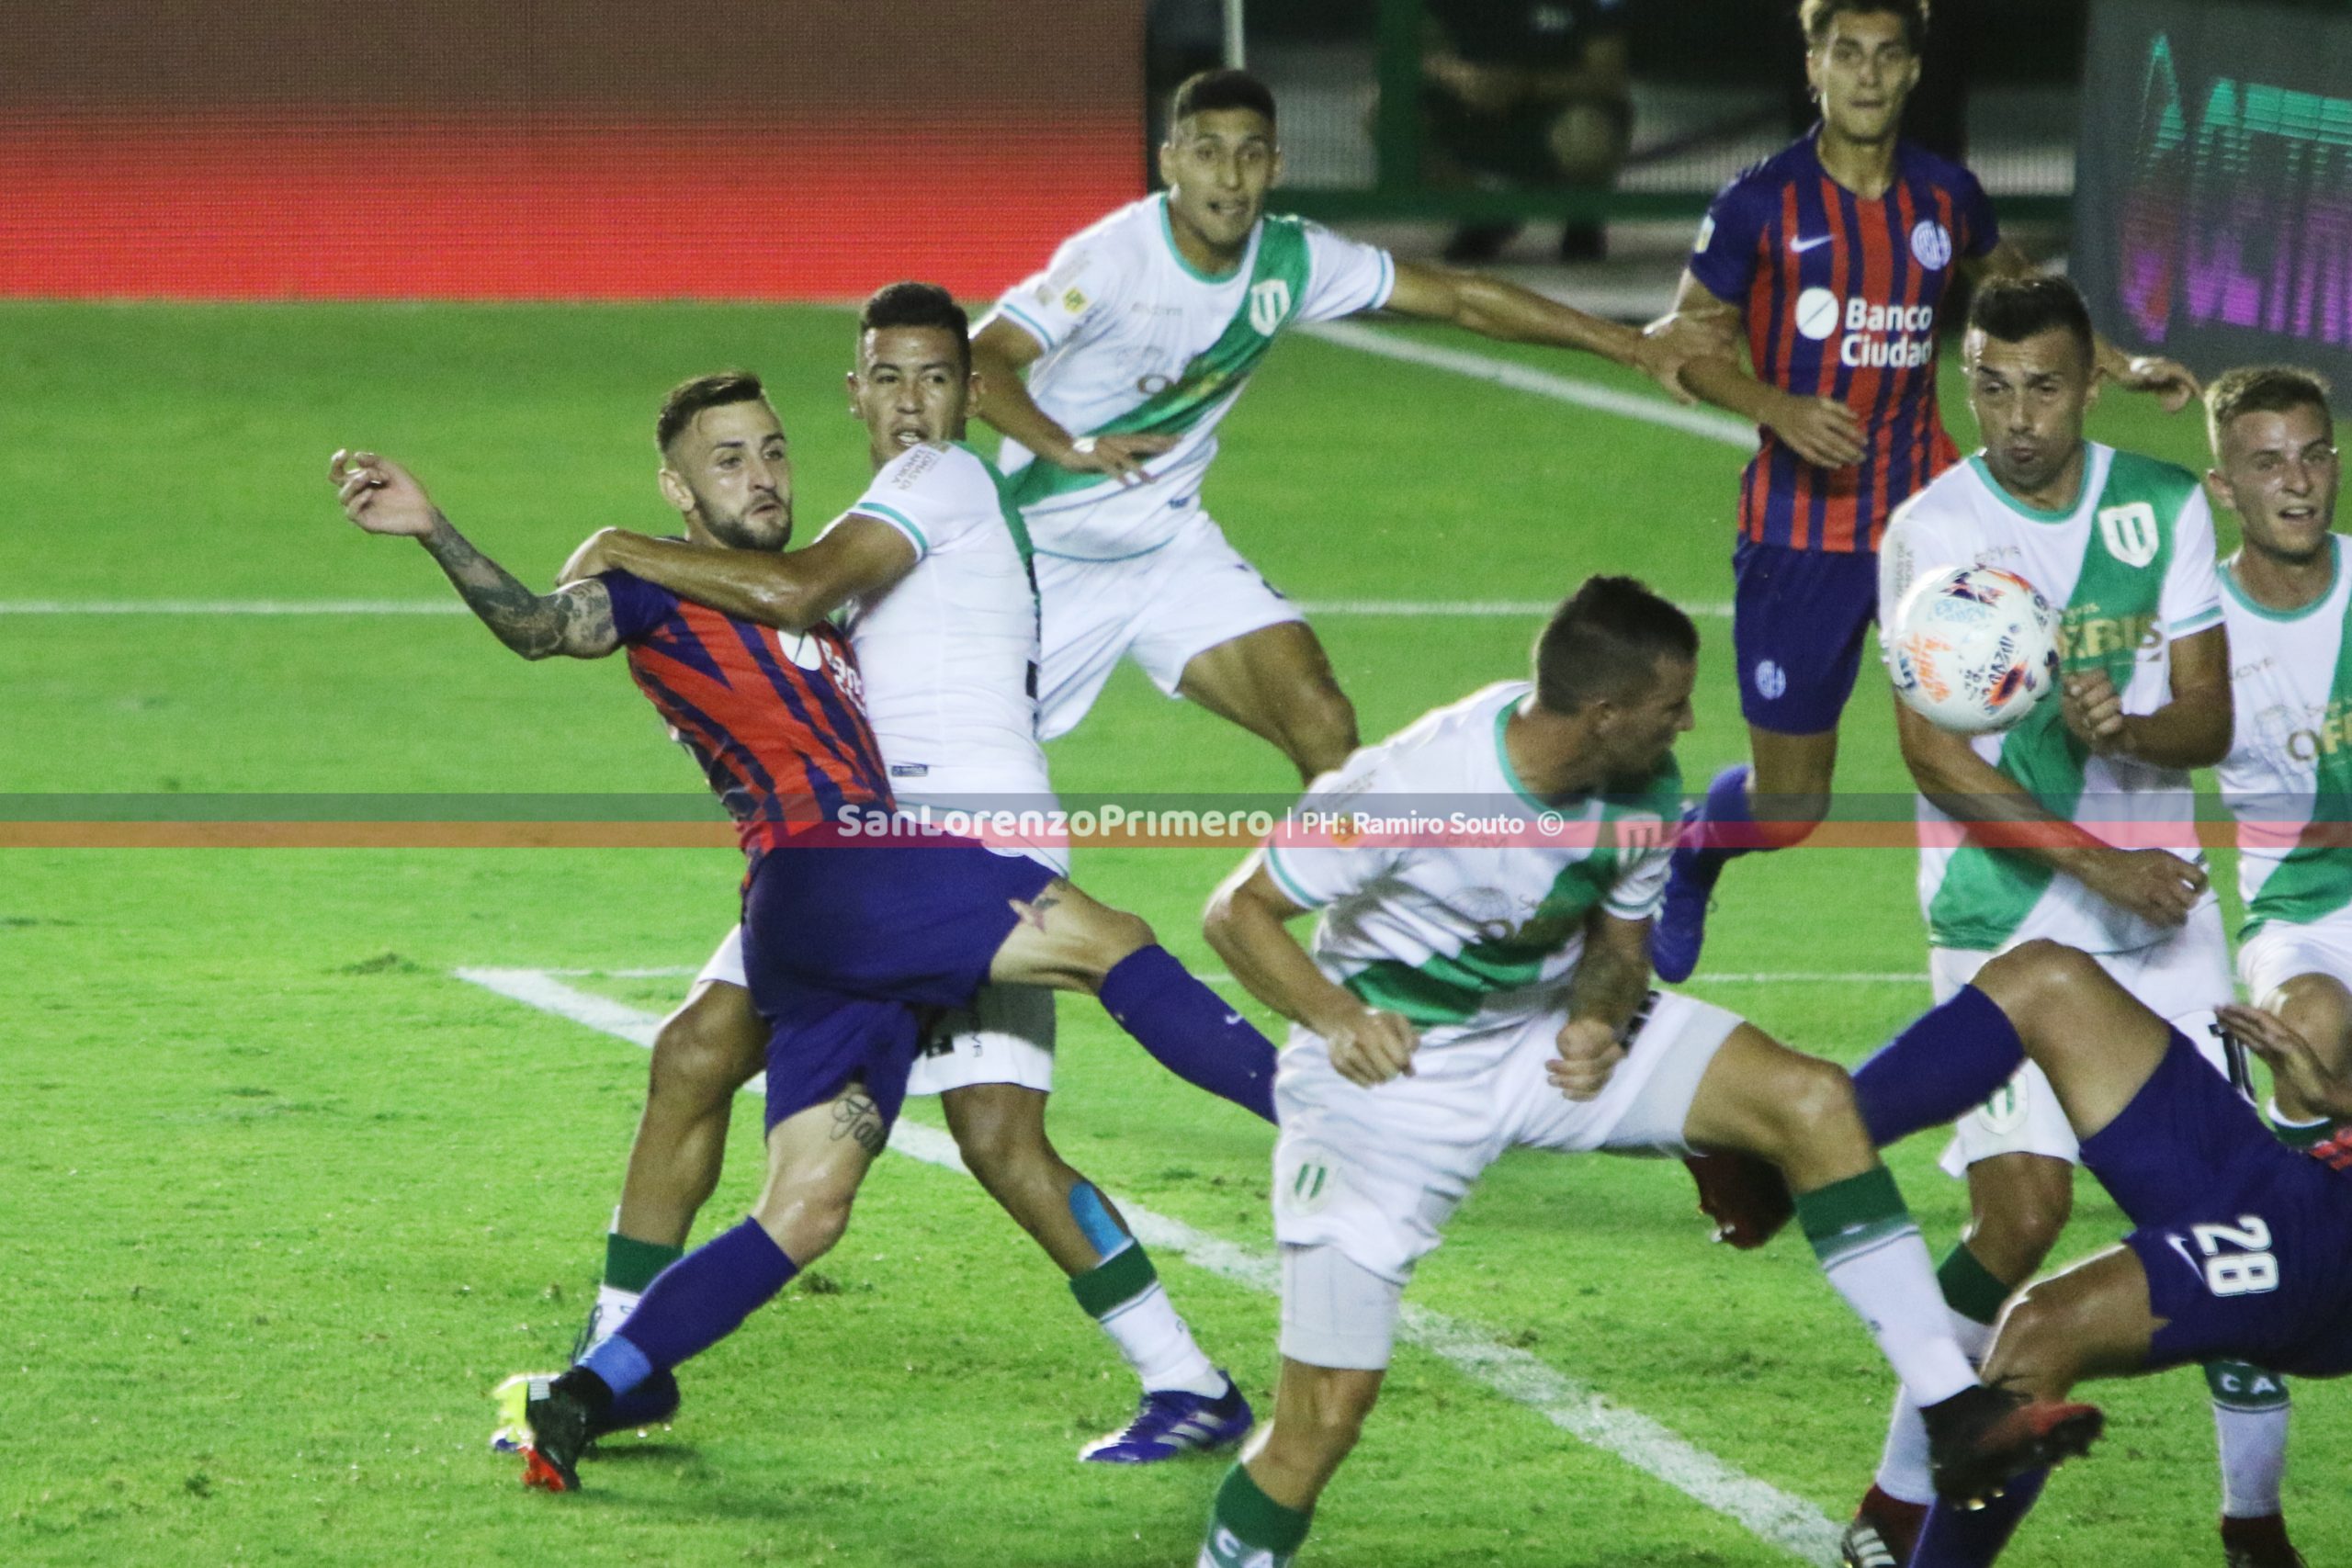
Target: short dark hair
{"points": [[1814, 17], [2263, 388], [918, 305], [1606, 639], [688, 398], [1219, 89], [2015, 308]]}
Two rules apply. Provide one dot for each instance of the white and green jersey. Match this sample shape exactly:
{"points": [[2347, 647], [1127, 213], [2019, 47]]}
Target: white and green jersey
{"points": [[1137, 342], [949, 651], [1461, 938], [2130, 566], [2291, 759]]}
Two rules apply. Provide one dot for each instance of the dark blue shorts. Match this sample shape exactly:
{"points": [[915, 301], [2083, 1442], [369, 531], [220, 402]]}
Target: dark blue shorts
{"points": [[2247, 1245], [848, 948], [1798, 622]]}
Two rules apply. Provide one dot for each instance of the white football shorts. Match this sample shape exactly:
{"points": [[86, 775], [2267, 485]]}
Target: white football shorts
{"points": [[2180, 980], [1372, 1174], [1160, 609], [2279, 951]]}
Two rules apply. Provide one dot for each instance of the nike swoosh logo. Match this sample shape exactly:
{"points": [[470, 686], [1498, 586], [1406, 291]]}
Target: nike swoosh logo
{"points": [[1799, 247], [1232, 1017], [2186, 1256]]}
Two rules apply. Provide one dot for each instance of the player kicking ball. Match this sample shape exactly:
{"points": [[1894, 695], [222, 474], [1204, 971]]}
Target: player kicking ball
{"points": [[930, 571], [846, 940], [1461, 999], [2242, 1247]]}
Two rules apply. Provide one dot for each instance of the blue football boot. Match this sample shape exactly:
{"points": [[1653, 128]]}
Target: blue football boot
{"points": [[1170, 1424]]}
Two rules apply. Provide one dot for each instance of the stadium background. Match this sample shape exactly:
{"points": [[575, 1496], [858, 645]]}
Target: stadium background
{"points": [[288, 1192]]}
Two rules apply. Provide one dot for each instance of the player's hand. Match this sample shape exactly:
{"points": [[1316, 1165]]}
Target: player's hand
{"points": [[1822, 430], [1588, 1053], [2093, 711], [1666, 345], [596, 556], [1372, 1047], [2293, 1060], [2156, 885], [2174, 385], [1121, 457], [380, 496]]}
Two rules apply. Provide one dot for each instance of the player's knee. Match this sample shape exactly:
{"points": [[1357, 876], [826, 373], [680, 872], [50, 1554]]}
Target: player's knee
{"points": [[1109, 936], [701, 1057], [1317, 724], [2038, 981], [2034, 1351], [2018, 1204], [1808, 1107], [1000, 1149], [2319, 1008], [806, 1220]]}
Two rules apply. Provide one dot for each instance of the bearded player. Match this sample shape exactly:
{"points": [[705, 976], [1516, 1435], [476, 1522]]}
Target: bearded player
{"points": [[1462, 998]]}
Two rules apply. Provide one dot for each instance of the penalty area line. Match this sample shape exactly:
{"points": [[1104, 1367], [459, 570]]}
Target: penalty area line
{"points": [[1770, 1515]]}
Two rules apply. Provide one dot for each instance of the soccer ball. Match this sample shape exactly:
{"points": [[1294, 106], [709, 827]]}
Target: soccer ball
{"points": [[1971, 649]]}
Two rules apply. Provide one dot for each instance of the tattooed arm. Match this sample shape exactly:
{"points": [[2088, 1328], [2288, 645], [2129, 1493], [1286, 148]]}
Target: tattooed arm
{"points": [[381, 497]]}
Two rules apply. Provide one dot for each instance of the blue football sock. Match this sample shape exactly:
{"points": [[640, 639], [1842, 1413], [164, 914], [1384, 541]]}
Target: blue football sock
{"points": [[698, 1302], [1950, 1059], [1722, 809], [1189, 1029], [1954, 1537]]}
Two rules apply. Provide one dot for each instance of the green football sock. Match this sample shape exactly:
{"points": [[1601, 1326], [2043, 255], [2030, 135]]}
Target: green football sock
{"points": [[1969, 1287], [2300, 1134], [631, 1265], [1250, 1529]]}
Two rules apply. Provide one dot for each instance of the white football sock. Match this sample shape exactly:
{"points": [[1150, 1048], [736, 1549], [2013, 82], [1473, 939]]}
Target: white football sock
{"points": [[1903, 1463], [2253, 1458], [1889, 1283], [613, 1308], [1159, 1345]]}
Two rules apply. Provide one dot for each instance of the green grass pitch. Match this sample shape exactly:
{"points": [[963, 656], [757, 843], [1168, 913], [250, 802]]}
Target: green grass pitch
{"points": [[285, 1197]]}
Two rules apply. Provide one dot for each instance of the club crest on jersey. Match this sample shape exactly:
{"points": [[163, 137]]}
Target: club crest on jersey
{"points": [[2129, 532], [805, 651], [1269, 305], [1931, 245]]}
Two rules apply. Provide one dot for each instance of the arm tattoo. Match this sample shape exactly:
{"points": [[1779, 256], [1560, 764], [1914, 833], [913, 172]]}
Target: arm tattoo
{"points": [[1609, 985], [1033, 913], [857, 1117], [577, 620]]}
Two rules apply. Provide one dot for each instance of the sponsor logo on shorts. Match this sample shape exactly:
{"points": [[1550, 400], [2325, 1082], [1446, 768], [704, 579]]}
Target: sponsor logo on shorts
{"points": [[1772, 681], [1306, 1180], [2005, 1112]]}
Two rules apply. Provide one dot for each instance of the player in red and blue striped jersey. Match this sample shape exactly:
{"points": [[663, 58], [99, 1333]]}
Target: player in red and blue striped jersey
{"points": [[1831, 263], [854, 923]]}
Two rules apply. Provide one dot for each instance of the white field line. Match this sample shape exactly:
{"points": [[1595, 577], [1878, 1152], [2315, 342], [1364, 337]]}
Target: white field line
{"points": [[1707, 423], [1772, 1516], [1417, 609]]}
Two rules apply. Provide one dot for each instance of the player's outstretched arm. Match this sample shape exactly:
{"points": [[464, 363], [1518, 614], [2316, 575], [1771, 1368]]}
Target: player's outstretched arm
{"points": [[1613, 977], [1508, 313], [1245, 924], [1822, 430], [2293, 1061], [1000, 354], [2156, 885], [858, 557], [2174, 385], [381, 497]]}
